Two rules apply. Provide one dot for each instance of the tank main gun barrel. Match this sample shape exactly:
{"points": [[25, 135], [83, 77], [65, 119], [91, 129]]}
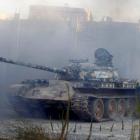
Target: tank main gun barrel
{"points": [[29, 65]]}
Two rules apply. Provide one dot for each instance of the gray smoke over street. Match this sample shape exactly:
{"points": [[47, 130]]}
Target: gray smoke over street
{"points": [[53, 44], [124, 10]]}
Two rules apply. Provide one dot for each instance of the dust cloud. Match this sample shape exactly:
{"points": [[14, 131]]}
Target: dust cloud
{"points": [[54, 43]]}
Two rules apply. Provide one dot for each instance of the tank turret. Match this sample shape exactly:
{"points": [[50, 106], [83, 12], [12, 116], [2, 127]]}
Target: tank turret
{"points": [[70, 72], [79, 69]]}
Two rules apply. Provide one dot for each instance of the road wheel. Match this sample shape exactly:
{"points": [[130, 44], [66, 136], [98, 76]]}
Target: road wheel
{"points": [[97, 110], [110, 108], [121, 107]]}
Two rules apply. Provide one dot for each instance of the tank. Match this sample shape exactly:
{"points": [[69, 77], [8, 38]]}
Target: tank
{"points": [[94, 90]]}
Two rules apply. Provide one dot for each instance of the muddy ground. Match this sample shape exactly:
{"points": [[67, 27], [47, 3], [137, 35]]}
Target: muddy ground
{"points": [[109, 130], [106, 130]]}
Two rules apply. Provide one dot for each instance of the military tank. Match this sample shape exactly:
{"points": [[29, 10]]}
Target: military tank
{"points": [[95, 90]]}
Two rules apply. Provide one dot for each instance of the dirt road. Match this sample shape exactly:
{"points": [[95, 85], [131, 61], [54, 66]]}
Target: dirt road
{"points": [[110, 130]]}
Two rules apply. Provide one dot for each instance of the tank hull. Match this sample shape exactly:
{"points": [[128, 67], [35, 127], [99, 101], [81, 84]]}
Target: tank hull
{"points": [[37, 108], [108, 92], [80, 103], [109, 103]]}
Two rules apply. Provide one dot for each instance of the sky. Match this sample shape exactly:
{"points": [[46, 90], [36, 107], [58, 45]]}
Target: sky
{"points": [[127, 10]]}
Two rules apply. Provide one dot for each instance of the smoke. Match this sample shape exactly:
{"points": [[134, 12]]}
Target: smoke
{"points": [[54, 43], [116, 9], [51, 44], [121, 10], [124, 10], [39, 42]]}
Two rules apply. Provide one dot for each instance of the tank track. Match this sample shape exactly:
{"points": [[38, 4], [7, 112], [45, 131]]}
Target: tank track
{"points": [[81, 106]]}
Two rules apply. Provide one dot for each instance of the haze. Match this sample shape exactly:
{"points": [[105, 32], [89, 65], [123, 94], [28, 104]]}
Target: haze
{"points": [[121, 10], [52, 44]]}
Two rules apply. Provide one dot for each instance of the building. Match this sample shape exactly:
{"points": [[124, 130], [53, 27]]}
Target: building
{"points": [[53, 13]]}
